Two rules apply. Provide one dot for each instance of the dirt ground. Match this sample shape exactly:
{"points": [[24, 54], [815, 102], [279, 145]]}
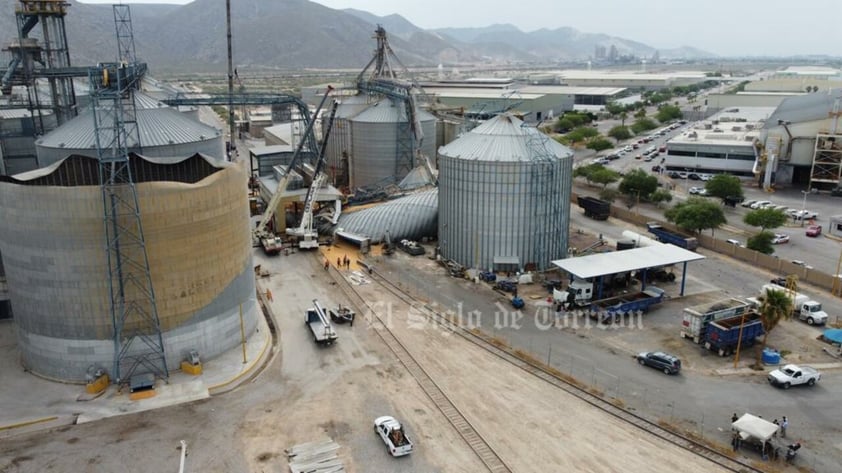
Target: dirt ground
{"points": [[532, 425]]}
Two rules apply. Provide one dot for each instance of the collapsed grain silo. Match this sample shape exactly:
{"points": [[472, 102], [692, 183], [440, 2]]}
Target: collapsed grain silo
{"points": [[164, 132], [504, 197], [412, 216], [381, 147], [195, 223]]}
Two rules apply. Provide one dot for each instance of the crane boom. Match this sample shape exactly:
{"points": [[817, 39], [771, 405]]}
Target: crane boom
{"points": [[309, 238], [260, 230]]}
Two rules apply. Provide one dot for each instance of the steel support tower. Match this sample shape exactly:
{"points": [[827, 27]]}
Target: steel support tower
{"points": [[53, 54], [138, 343]]}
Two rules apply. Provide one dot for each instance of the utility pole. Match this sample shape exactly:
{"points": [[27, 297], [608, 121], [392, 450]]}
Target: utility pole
{"points": [[232, 146]]}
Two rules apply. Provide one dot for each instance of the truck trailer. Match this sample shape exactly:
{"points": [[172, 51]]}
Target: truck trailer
{"points": [[594, 208], [677, 239], [803, 307], [319, 324], [723, 336], [697, 318]]}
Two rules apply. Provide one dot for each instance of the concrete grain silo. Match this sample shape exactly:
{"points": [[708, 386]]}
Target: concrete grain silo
{"points": [[375, 146], [504, 197], [164, 133], [196, 225]]}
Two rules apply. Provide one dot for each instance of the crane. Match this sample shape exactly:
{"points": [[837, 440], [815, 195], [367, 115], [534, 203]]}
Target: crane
{"points": [[270, 242], [307, 235]]}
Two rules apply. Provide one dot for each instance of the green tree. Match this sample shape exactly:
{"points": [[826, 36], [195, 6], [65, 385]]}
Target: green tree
{"points": [[620, 132], [643, 124], [604, 176], [614, 108], [667, 113], [641, 113], [599, 143], [623, 117], [775, 306], [765, 218], [762, 242], [660, 196], [587, 171], [608, 194], [582, 133], [564, 124], [638, 184], [696, 214], [724, 186]]}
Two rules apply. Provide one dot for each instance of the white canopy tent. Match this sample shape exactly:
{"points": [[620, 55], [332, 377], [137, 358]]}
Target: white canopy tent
{"points": [[750, 426]]}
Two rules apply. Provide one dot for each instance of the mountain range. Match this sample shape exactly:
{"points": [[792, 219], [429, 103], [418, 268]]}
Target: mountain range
{"points": [[296, 34]]}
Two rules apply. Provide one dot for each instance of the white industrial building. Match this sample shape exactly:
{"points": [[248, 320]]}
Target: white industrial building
{"points": [[631, 79], [722, 143]]}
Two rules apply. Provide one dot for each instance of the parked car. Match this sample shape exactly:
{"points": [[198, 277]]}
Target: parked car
{"points": [[780, 238], [635, 145], [649, 158], [814, 231], [665, 362], [705, 177], [780, 281], [682, 175], [662, 149], [732, 200], [694, 176], [674, 174], [638, 157], [804, 214], [627, 149], [760, 204], [748, 203], [803, 264], [735, 242], [698, 190], [836, 192], [602, 161], [657, 168]]}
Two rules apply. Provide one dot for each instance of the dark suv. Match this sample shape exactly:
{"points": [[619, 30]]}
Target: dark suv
{"points": [[669, 364]]}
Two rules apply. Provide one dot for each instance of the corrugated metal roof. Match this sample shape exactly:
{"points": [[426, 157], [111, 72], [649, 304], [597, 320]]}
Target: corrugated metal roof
{"points": [[157, 126], [505, 138], [412, 217], [592, 266], [385, 111], [805, 108]]}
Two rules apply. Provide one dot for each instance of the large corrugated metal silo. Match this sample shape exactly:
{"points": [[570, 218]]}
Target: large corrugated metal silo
{"points": [[339, 141], [195, 221], [504, 197], [164, 133], [374, 143]]}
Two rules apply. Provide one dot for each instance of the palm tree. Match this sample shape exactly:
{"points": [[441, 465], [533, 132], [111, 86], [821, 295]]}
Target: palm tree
{"points": [[623, 116], [774, 306]]}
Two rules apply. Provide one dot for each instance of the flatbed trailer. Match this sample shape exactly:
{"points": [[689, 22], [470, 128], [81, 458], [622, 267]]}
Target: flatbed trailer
{"points": [[319, 324], [613, 307]]}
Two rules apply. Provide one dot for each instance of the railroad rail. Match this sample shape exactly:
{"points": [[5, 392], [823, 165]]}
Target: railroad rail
{"points": [[508, 355], [466, 430]]}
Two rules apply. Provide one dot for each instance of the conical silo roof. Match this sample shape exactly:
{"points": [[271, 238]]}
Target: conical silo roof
{"points": [[505, 138]]}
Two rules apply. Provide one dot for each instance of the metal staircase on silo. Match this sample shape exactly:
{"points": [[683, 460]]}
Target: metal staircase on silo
{"points": [[138, 343], [542, 162]]}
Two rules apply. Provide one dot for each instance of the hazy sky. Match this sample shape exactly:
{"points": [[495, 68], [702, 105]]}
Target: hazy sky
{"points": [[726, 27]]}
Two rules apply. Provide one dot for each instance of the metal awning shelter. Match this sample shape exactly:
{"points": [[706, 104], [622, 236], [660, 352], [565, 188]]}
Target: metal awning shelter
{"points": [[603, 264]]}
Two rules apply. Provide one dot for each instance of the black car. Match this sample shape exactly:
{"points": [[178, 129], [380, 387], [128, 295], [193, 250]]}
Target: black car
{"points": [[657, 168], [694, 177], [674, 174], [836, 192], [665, 362]]}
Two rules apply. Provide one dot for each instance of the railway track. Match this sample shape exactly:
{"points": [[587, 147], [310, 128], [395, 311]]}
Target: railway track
{"points": [[466, 430], [508, 355]]}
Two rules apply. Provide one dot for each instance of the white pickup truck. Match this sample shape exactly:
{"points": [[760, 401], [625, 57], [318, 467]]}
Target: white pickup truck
{"points": [[792, 375], [391, 431]]}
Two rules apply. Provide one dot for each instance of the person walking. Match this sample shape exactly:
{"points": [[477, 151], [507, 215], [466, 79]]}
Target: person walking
{"points": [[734, 418], [784, 425]]}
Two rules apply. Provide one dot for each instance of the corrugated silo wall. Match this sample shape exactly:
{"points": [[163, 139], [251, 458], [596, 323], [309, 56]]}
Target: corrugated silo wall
{"points": [[504, 209], [199, 252], [338, 141], [375, 148]]}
